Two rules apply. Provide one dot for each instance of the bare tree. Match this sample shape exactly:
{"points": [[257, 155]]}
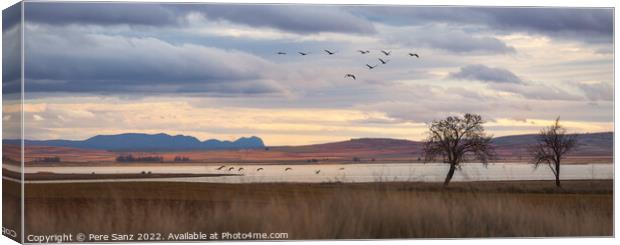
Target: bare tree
{"points": [[456, 140], [552, 145]]}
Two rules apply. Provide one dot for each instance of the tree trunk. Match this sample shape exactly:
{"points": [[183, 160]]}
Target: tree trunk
{"points": [[557, 174], [450, 174]]}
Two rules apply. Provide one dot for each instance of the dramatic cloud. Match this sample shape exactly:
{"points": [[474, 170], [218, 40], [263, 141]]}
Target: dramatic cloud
{"points": [[586, 24], [486, 74], [103, 63], [11, 49], [101, 13], [212, 70], [11, 16], [292, 18]]}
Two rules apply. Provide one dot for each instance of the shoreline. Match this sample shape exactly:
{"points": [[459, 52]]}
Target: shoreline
{"points": [[315, 173], [268, 163]]}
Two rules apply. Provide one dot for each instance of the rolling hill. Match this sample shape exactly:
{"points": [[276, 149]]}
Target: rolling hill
{"points": [[589, 144]]}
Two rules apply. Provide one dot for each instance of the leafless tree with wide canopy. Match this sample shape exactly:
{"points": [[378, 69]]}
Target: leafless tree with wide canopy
{"points": [[458, 139]]}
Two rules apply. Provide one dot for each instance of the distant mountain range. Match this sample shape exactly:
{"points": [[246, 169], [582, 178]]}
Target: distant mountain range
{"points": [[147, 142], [588, 144]]}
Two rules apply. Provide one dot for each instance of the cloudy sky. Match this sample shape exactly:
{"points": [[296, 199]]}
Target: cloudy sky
{"points": [[212, 71]]}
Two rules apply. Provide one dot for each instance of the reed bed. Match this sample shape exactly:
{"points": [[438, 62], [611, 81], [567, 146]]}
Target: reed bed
{"points": [[326, 211]]}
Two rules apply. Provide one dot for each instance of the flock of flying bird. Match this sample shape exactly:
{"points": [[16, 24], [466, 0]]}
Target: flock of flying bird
{"points": [[348, 75], [370, 67], [261, 169]]}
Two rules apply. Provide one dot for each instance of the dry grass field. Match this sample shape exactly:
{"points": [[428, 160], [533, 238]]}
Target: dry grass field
{"points": [[11, 207], [325, 211]]}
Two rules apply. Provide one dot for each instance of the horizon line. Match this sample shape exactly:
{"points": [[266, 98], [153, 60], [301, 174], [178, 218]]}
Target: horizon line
{"points": [[267, 145]]}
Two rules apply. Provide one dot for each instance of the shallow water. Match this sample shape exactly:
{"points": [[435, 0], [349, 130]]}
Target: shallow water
{"points": [[430, 172]]}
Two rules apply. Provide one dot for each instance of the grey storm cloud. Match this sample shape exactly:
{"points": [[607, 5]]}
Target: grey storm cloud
{"points": [[292, 18], [567, 21], [101, 13], [11, 16], [486, 74], [587, 24], [11, 49], [295, 18], [71, 62]]}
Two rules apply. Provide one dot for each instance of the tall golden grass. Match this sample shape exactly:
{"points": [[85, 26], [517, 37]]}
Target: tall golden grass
{"points": [[11, 209], [326, 211]]}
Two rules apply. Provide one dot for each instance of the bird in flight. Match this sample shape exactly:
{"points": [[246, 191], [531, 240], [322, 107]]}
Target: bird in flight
{"points": [[351, 76], [386, 52], [383, 61], [363, 51], [281, 53], [302, 53], [371, 67], [329, 52], [413, 54]]}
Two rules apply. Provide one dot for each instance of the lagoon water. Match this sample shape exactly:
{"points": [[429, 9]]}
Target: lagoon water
{"points": [[429, 172]]}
